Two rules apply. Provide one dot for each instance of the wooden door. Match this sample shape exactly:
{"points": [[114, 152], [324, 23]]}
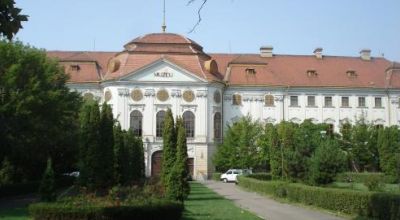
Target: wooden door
{"points": [[156, 159]]}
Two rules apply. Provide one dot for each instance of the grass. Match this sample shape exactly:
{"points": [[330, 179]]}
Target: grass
{"points": [[18, 213], [203, 203], [391, 188]]}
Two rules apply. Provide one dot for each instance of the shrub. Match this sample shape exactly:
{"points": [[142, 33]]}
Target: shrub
{"points": [[260, 176], [375, 205], [216, 176], [357, 177], [374, 183], [327, 161], [149, 209]]}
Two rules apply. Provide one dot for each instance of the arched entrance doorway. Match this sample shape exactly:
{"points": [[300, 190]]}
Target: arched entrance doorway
{"points": [[156, 159]]}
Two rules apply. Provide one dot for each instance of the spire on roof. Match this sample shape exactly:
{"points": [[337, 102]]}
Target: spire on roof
{"points": [[164, 26]]}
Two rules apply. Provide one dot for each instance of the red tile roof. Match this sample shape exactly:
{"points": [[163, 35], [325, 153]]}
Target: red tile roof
{"points": [[279, 70]]}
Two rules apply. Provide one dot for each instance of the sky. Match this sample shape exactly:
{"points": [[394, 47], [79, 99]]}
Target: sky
{"points": [[340, 27]]}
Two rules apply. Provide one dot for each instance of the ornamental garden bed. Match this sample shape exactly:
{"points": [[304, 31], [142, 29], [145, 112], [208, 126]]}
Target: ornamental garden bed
{"points": [[119, 203]]}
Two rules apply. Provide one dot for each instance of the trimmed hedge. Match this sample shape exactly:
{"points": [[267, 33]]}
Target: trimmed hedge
{"points": [[260, 176], [375, 205], [152, 209], [17, 189], [216, 176], [359, 177]]}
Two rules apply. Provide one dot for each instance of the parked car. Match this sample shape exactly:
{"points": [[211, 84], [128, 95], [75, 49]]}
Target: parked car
{"points": [[231, 174]]}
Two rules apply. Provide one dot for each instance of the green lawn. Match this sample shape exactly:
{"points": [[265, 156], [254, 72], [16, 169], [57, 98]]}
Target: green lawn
{"points": [[203, 203], [393, 188], [20, 213]]}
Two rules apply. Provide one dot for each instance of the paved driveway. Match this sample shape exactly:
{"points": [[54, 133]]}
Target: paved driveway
{"points": [[265, 207]]}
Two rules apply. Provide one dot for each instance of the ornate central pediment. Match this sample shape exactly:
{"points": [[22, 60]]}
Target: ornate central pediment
{"points": [[162, 71]]}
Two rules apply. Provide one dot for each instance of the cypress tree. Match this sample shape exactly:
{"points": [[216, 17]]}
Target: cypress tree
{"points": [[178, 187], [89, 139], [137, 157], [121, 156], [169, 147], [47, 185], [92, 136], [105, 152]]}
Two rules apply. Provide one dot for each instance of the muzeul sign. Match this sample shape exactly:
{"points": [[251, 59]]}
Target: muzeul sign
{"points": [[163, 74]]}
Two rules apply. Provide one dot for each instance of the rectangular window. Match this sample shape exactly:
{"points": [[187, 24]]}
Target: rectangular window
{"points": [[345, 101], [378, 102], [294, 101], [361, 101], [236, 99], [311, 101], [328, 101]]}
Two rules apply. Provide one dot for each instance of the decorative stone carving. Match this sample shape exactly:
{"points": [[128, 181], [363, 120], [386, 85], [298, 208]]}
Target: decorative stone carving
{"points": [[162, 95], [137, 107], [164, 107], [188, 96], [201, 93], [217, 109], [176, 93], [188, 108], [136, 95], [279, 98], [123, 92], [217, 97], [149, 92]]}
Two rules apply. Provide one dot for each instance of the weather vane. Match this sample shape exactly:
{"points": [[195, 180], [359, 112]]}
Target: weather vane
{"points": [[164, 26]]}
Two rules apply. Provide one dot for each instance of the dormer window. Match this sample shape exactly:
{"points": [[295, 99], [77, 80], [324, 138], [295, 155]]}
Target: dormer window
{"points": [[74, 67], [312, 73], [351, 73], [250, 71]]}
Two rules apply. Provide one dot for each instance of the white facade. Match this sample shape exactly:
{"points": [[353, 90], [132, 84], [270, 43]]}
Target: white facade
{"points": [[176, 82], [155, 71]]}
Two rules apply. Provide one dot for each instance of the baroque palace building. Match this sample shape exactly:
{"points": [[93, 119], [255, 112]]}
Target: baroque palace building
{"points": [[158, 71]]}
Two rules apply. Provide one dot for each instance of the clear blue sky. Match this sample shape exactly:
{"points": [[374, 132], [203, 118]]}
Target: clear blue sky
{"points": [[341, 27]]}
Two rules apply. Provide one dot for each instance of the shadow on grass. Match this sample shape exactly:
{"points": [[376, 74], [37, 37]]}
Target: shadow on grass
{"points": [[14, 213]]}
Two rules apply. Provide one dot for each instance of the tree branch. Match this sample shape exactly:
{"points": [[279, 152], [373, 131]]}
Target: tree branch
{"points": [[198, 13]]}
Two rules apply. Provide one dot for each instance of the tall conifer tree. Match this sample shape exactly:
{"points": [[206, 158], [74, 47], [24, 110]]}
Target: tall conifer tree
{"points": [[105, 153], [137, 157], [169, 147], [121, 156]]}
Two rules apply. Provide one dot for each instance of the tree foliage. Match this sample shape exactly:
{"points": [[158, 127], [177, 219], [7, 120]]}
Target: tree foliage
{"points": [[38, 113], [178, 186], [327, 161], [137, 156], [169, 146], [6, 172], [389, 151], [239, 148], [122, 158], [10, 19], [47, 187]]}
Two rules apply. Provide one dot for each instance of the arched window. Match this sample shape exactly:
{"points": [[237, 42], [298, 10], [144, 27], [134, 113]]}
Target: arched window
{"points": [[269, 100], [188, 121], [136, 122], [217, 125], [160, 123]]}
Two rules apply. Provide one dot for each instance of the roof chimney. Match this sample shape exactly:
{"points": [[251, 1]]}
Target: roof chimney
{"points": [[318, 52], [365, 54], [266, 51]]}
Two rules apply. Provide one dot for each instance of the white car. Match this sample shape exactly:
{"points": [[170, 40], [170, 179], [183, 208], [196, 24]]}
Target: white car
{"points": [[231, 175]]}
